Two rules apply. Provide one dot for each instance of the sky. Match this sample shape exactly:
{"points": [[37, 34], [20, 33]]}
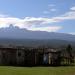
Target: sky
{"points": [[42, 15]]}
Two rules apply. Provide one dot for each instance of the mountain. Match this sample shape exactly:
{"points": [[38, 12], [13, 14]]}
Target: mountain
{"points": [[13, 32]]}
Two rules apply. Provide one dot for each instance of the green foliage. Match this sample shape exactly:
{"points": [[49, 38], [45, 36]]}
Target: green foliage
{"points": [[69, 50]]}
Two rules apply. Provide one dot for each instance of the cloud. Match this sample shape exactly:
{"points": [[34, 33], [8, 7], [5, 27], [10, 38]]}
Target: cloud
{"points": [[48, 29], [46, 12], [6, 21], [73, 8], [51, 5], [52, 9], [31, 23], [2, 15], [73, 33], [26, 22], [70, 15], [67, 16]]}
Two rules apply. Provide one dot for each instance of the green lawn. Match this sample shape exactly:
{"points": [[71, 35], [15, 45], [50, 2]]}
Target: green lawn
{"points": [[8, 70]]}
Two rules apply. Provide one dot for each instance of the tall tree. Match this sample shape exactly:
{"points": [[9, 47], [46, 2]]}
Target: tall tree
{"points": [[69, 50]]}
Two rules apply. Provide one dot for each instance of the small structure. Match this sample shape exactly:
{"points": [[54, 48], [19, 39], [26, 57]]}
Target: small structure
{"points": [[51, 57]]}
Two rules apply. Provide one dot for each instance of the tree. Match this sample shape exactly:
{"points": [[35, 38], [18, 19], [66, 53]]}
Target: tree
{"points": [[69, 50]]}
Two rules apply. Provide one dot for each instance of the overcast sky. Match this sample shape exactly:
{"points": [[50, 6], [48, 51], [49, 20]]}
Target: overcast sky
{"points": [[43, 15]]}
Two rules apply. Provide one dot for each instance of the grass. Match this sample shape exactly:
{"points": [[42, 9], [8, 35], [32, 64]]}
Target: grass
{"points": [[8, 70]]}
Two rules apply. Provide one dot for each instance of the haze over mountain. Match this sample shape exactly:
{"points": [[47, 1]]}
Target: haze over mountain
{"points": [[14, 32]]}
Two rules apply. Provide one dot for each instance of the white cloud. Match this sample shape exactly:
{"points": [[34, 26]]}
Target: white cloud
{"points": [[31, 22], [52, 9], [49, 29], [73, 8], [72, 33], [67, 16], [26, 22], [70, 15], [51, 5], [46, 12], [2, 15]]}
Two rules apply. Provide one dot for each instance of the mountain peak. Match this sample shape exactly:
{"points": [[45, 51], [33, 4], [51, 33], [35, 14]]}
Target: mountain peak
{"points": [[16, 32], [13, 27]]}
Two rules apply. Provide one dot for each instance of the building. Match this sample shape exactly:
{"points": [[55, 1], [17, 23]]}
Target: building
{"points": [[29, 56]]}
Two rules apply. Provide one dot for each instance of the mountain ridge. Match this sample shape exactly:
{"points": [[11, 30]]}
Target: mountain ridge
{"points": [[14, 32]]}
